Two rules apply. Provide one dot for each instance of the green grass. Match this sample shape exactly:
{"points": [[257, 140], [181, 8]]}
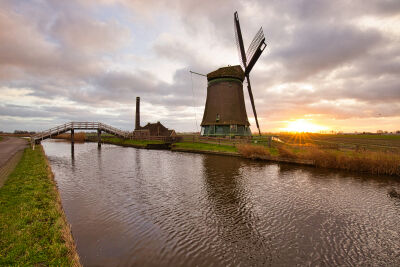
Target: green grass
{"points": [[32, 226], [206, 147], [273, 151], [1, 138], [119, 141]]}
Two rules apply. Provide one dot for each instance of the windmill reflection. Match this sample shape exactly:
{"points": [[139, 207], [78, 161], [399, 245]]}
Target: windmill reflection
{"points": [[232, 208]]}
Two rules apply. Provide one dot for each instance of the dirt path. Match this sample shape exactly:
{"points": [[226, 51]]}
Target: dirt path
{"points": [[11, 150]]}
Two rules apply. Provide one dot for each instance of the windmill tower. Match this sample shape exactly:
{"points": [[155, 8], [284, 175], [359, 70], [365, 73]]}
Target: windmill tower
{"points": [[225, 110]]}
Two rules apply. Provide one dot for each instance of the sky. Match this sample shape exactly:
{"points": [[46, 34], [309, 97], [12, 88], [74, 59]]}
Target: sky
{"points": [[335, 64]]}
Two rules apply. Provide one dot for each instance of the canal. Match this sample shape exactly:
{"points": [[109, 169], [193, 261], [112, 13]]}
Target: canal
{"points": [[141, 207]]}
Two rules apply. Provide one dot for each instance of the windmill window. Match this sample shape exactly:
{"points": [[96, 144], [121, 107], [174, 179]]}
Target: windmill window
{"points": [[217, 118], [233, 128]]}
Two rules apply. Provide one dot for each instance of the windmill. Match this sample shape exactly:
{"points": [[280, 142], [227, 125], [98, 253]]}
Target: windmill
{"points": [[225, 111], [254, 51]]}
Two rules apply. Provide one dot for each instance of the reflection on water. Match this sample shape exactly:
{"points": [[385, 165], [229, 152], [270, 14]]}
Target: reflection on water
{"points": [[144, 207]]}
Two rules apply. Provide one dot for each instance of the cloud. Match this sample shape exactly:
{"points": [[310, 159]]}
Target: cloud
{"points": [[88, 60], [324, 47]]}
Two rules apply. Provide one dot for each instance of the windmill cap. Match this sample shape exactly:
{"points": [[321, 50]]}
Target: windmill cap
{"points": [[235, 72]]}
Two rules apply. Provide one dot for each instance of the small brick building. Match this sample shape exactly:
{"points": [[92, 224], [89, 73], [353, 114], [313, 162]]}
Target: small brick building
{"points": [[153, 129]]}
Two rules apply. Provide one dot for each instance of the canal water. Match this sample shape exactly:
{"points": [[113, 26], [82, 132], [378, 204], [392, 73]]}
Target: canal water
{"points": [[133, 207]]}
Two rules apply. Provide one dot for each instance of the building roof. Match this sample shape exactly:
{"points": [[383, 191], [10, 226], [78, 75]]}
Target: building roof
{"points": [[157, 129], [235, 72]]}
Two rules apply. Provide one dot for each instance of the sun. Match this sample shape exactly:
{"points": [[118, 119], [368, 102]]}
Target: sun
{"points": [[303, 126]]}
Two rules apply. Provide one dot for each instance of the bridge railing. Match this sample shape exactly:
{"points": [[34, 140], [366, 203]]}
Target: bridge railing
{"points": [[65, 126], [78, 125], [114, 130], [87, 125]]}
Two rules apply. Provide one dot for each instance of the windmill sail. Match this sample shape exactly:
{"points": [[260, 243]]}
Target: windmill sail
{"points": [[252, 103], [239, 42], [255, 49]]}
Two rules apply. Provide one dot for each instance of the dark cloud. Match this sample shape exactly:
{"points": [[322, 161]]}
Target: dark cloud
{"points": [[324, 47]]}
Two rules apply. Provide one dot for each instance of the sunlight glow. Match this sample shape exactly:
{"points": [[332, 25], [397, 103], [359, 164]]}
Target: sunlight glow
{"points": [[303, 126]]}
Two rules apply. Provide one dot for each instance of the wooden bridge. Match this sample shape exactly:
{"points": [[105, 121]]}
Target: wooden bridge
{"points": [[71, 126]]}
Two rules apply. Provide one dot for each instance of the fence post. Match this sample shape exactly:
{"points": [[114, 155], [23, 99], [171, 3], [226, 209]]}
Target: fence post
{"points": [[72, 136], [98, 138]]}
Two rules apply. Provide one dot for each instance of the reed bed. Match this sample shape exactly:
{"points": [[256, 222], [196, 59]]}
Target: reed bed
{"points": [[253, 152], [374, 162], [78, 137]]}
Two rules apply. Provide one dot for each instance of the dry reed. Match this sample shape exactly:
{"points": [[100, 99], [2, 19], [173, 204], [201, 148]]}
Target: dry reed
{"points": [[252, 151], [362, 161], [78, 137], [374, 162], [286, 152]]}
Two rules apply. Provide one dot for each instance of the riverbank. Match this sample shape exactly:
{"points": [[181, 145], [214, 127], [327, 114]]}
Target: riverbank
{"points": [[372, 162], [33, 227], [362, 161], [149, 144]]}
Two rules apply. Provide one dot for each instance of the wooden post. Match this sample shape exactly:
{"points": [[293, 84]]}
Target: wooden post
{"points": [[269, 141], [72, 136], [98, 138]]}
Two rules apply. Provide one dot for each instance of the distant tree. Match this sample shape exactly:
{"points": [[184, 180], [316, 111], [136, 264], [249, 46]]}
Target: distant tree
{"points": [[20, 132]]}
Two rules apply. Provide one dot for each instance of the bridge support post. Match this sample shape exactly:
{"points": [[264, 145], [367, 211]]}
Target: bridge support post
{"points": [[98, 138], [72, 137]]}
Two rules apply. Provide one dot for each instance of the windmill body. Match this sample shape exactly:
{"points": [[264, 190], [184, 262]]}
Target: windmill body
{"points": [[225, 111]]}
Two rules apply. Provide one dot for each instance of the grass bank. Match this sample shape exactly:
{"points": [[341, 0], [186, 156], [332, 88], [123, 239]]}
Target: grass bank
{"points": [[33, 228], [1, 138], [205, 147], [128, 142]]}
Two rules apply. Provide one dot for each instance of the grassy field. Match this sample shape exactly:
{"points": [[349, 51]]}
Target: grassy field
{"points": [[347, 142], [33, 229], [1, 138]]}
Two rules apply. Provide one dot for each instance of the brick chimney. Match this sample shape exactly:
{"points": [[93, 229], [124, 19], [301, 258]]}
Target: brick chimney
{"points": [[137, 121]]}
